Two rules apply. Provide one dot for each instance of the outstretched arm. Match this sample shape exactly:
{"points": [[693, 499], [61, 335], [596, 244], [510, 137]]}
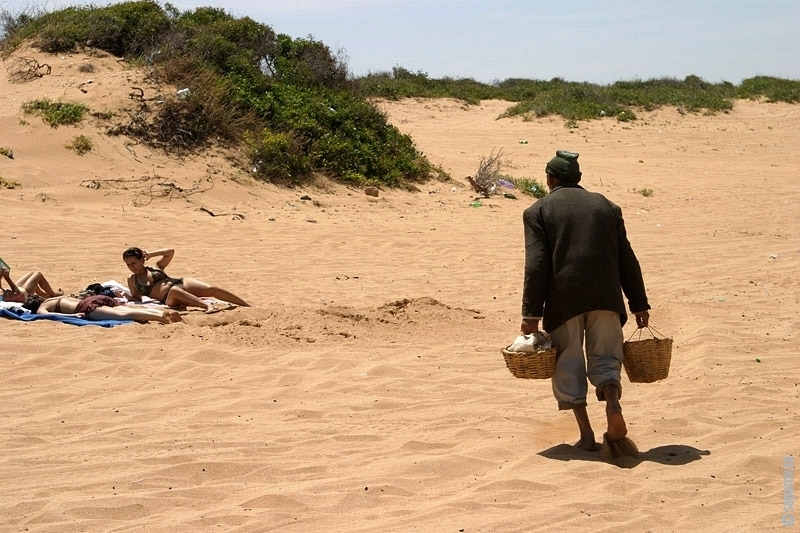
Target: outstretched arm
{"points": [[46, 311]]}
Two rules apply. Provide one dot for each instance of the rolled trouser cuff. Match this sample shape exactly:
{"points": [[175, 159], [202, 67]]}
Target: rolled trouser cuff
{"points": [[601, 395], [567, 406]]}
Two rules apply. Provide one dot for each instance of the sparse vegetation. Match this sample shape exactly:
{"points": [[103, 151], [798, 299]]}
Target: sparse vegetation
{"points": [[576, 101], [530, 186], [25, 69], [645, 192], [55, 113], [8, 152], [402, 83], [490, 179], [8, 184], [489, 172], [80, 144]]}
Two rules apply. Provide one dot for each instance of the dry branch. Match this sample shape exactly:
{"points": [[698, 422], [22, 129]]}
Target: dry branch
{"points": [[27, 68]]}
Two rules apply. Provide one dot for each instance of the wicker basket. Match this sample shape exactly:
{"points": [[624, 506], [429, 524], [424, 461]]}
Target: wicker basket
{"points": [[647, 360], [531, 365]]}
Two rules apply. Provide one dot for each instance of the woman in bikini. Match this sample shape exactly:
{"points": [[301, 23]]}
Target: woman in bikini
{"points": [[29, 283], [174, 292], [98, 308]]}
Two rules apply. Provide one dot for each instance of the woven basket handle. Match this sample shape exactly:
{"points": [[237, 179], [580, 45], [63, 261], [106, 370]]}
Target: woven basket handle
{"points": [[653, 331]]}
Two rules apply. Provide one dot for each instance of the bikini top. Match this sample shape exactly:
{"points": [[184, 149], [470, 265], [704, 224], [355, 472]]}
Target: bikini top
{"points": [[158, 276]]}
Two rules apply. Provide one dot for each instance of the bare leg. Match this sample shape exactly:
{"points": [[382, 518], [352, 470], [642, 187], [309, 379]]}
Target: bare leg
{"points": [[178, 297], [36, 283], [587, 441], [615, 442], [204, 290], [616, 423]]}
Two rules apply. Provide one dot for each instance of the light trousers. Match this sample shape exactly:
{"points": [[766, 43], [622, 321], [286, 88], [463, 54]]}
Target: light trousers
{"points": [[601, 332]]}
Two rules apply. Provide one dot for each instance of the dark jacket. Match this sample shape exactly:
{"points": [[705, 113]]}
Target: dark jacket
{"points": [[578, 258]]}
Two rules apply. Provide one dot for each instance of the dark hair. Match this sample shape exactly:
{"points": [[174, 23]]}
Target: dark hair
{"points": [[95, 288], [133, 251], [32, 303]]}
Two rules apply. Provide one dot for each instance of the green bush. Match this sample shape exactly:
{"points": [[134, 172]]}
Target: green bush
{"points": [[529, 186], [80, 144], [402, 83], [306, 62], [247, 85], [277, 157], [126, 29], [55, 113], [224, 44], [347, 136], [772, 89], [576, 101]]}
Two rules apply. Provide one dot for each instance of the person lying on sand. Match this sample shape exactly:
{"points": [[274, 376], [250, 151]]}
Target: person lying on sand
{"points": [[29, 283], [35, 283], [174, 292], [98, 307]]}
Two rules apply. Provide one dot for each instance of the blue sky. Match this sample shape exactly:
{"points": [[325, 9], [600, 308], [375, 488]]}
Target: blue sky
{"points": [[577, 40]]}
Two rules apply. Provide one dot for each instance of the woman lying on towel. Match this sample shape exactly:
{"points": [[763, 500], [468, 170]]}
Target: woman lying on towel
{"points": [[98, 308], [29, 283], [174, 292]]}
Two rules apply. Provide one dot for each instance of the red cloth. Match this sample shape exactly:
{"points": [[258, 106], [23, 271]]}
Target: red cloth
{"points": [[90, 303]]}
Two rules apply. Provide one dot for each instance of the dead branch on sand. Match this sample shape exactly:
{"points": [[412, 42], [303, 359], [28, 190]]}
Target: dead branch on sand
{"points": [[25, 69]]}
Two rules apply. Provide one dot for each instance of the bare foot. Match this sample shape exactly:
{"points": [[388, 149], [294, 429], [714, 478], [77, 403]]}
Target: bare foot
{"points": [[616, 424], [587, 434]]}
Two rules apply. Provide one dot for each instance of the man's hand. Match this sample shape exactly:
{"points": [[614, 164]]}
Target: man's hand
{"points": [[529, 325], [642, 319]]}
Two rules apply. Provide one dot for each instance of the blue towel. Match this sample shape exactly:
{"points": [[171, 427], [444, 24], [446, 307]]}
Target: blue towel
{"points": [[9, 313]]}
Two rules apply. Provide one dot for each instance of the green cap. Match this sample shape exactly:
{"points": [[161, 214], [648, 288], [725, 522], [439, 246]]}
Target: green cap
{"points": [[564, 166]]}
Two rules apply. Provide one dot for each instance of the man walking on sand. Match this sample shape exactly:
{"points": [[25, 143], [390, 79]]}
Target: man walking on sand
{"points": [[578, 264]]}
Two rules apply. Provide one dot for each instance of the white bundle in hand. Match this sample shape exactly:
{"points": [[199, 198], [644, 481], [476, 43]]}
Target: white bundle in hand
{"points": [[534, 342]]}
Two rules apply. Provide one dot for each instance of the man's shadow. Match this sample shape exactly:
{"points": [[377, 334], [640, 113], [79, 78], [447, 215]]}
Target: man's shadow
{"points": [[670, 454]]}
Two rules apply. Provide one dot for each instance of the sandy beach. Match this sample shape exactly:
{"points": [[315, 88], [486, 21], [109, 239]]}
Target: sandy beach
{"points": [[365, 390]]}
